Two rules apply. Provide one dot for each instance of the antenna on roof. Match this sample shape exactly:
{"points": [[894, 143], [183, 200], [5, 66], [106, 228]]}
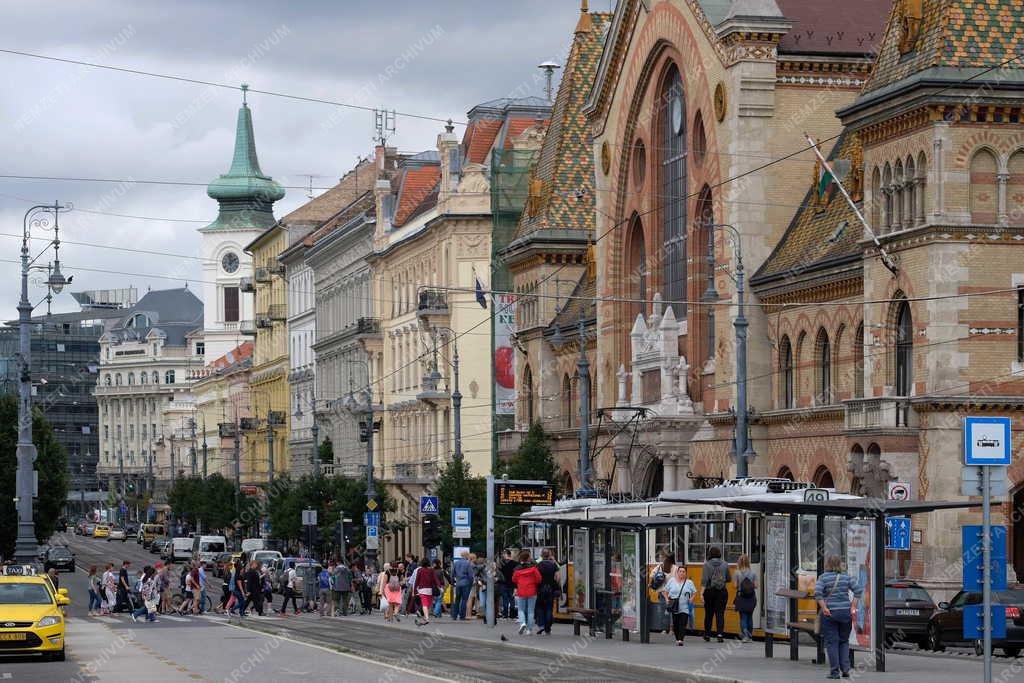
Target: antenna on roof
{"points": [[384, 122], [245, 89], [548, 68]]}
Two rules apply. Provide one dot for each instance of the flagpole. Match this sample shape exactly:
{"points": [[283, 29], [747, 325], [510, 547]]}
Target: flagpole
{"points": [[887, 260]]}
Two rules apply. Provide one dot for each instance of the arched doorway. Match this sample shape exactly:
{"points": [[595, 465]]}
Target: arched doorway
{"points": [[654, 479], [786, 473], [823, 478]]}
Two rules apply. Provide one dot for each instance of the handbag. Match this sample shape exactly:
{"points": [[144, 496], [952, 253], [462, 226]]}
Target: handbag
{"points": [[817, 617]]}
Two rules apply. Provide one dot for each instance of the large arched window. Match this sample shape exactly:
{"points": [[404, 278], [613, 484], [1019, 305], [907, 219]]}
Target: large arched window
{"points": [[528, 396], [823, 478], [823, 376], [117, 379], [637, 282], [1015, 189], [984, 196], [705, 253], [904, 361], [131, 378], [785, 373], [671, 145], [877, 200]]}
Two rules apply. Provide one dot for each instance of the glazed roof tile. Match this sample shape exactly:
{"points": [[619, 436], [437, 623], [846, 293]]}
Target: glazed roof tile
{"points": [[566, 164], [833, 27], [814, 236]]}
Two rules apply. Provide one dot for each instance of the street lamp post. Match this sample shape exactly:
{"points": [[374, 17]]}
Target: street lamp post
{"points": [[744, 447], [314, 454], [204, 447], [371, 491], [36, 217], [583, 369], [456, 394]]}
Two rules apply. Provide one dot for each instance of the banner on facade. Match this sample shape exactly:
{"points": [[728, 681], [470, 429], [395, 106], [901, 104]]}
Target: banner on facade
{"points": [[776, 574], [859, 542], [504, 355]]}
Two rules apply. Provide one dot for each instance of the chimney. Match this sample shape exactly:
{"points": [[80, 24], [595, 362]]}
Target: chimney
{"points": [[382, 194], [451, 162]]}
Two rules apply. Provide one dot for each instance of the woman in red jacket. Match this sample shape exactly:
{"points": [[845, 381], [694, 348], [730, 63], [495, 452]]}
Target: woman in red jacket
{"points": [[526, 579], [426, 583]]}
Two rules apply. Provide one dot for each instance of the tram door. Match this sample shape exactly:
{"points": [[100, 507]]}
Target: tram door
{"points": [[753, 542]]}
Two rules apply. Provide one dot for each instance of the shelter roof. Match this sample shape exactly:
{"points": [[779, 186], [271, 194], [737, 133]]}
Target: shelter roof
{"points": [[837, 507]]}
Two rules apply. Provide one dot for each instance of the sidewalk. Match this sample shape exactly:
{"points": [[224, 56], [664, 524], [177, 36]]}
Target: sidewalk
{"points": [[712, 662]]}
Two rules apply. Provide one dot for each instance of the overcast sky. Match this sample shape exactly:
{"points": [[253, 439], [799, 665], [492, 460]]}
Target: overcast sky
{"points": [[437, 58]]}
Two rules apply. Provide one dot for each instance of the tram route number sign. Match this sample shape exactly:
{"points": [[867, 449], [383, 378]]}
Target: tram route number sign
{"points": [[524, 494]]}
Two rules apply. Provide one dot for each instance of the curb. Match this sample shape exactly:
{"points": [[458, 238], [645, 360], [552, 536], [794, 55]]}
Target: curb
{"points": [[626, 667]]}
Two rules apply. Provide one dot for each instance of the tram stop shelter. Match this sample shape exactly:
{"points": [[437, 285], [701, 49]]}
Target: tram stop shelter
{"points": [[866, 527]]}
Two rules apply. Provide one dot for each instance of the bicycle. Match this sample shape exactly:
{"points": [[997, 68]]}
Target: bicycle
{"points": [[178, 599]]}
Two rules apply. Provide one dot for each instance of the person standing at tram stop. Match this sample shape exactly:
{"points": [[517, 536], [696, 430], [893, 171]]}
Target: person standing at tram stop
{"points": [[679, 591], [832, 593], [745, 601], [714, 579]]}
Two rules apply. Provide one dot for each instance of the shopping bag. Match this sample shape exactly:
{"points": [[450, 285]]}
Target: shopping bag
{"points": [[448, 595]]}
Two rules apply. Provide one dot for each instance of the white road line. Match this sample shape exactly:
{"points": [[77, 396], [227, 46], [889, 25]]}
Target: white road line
{"points": [[6, 676], [170, 617], [367, 660]]}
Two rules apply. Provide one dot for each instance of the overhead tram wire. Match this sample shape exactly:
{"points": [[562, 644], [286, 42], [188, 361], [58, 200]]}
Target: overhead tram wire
{"points": [[226, 86]]}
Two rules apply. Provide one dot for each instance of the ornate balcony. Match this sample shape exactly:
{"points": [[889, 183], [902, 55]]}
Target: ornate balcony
{"points": [[368, 326], [432, 306], [246, 285], [262, 275], [264, 322], [247, 327], [881, 413], [277, 312]]}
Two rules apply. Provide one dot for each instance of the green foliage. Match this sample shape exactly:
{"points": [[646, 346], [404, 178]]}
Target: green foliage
{"points": [[326, 451], [455, 488], [51, 464], [330, 497], [533, 460], [209, 501]]}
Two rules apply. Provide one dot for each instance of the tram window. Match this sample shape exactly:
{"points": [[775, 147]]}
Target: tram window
{"points": [[732, 537], [756, 539], [663, 543], [696, 540]]}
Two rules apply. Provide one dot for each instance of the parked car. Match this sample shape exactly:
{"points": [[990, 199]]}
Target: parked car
{"points": [[155, 545], [263, 557], [59, 558], [131, 530], [117, 534], [946, 626], [163, 548], [908, 609]]}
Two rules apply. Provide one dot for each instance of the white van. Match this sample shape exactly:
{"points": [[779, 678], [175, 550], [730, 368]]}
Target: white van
{"points": [[205, 549], [181, 549], [251, 544]]}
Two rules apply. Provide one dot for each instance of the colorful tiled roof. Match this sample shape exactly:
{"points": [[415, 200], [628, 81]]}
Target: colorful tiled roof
{"points": [[953, 33], [235, 355], [417, 185], [582, 301], [564, 175], [816, 236]]}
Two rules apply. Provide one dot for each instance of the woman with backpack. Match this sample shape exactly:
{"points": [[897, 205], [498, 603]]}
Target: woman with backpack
{"points": [[679, 591], [746, 596], [714, 579], [391, 589]]}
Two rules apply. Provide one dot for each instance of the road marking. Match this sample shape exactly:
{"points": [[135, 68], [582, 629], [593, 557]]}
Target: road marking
{"points": [[169, 617], [366, 660], [6, 676]]}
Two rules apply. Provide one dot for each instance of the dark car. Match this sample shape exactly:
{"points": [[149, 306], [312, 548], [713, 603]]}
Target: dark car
{"points": [[908, 609], [947, 624], [59, 558], [155, 545]]}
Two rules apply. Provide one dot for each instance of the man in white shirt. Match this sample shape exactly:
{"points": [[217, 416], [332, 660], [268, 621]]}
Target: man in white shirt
{"points": [[289, 592]]}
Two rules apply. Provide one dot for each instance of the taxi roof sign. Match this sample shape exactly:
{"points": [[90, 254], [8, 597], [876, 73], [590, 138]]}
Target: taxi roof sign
{"points": [[17, 570]]}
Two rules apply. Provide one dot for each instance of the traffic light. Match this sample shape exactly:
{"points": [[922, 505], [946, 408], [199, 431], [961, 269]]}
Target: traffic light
{"points": [[431, 531]]}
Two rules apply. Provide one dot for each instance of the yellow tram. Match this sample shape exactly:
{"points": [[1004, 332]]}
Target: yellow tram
{"points": [[562, 529]]}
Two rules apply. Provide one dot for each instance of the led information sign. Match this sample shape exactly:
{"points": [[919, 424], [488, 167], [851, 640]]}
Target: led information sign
{"points": [[524, 494]]}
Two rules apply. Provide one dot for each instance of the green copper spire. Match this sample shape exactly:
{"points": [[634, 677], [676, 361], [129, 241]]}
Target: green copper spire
{"points": [[246, 196]]}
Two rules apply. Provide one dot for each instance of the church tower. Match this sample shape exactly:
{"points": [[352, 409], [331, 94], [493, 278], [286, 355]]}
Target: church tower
{"points": [[246, 197]]}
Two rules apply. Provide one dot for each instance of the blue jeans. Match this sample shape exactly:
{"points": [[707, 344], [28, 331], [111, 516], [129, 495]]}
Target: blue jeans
{"points": [[438, 605], [747, 624], [508, 602], [461, 597], [143, 612], [836, 632], [94, 601], [202, 601], [239, 604], [526, 607]]}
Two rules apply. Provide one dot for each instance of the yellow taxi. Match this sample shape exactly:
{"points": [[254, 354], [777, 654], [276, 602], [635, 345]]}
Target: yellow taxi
{"points": [[101, 531], [31, 618]]}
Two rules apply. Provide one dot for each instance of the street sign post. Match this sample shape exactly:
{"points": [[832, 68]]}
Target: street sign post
{"points": [[309, 517], [899, 490], [897, 533], [986, 443], [461, 522], [371, 519], [372, 538], [428, 505], [973, 567]]}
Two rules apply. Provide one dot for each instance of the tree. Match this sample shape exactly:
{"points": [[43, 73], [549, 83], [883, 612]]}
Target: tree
{"points": [[51, 464], [209, 501], [326, 451], [455, 488]]}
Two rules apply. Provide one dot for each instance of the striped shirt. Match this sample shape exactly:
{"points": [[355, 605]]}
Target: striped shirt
{"points": [[837, 598]]}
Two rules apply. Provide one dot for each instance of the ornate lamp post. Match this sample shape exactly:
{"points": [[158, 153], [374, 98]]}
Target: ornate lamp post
{"points": [[314, 456], [36, 217], [356, 408]]}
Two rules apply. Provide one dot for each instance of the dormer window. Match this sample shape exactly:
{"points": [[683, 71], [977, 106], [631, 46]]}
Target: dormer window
{"points": [[139, 321]]}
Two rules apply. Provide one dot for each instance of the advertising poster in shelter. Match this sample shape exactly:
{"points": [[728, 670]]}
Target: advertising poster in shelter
{"points": [[630, 581], [859, 541], [580, 566], [776, 573]]}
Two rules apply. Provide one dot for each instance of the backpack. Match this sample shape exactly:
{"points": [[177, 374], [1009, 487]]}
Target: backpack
{"points": [[298, 583], [393, 583], [658, 580], [717, 580], [747, 587]]}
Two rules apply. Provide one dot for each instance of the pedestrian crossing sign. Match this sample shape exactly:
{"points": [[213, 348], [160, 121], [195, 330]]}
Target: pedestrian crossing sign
{"points": [[428, 505]]}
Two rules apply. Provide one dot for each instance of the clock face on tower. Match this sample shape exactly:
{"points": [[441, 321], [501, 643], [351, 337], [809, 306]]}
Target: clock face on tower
{"points": [[229, 262]]}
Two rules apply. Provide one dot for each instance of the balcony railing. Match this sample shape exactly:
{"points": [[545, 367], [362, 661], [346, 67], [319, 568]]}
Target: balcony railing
{"points": [[262, 275], [246, 285], [368, 326], [247, 327], [277, 311], [892, 412], [264, 322], [432, 301], [422, 472]]}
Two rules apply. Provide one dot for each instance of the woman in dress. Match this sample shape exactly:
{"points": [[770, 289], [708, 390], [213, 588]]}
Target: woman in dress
{"points": [[391, 589], [679, 592]]}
